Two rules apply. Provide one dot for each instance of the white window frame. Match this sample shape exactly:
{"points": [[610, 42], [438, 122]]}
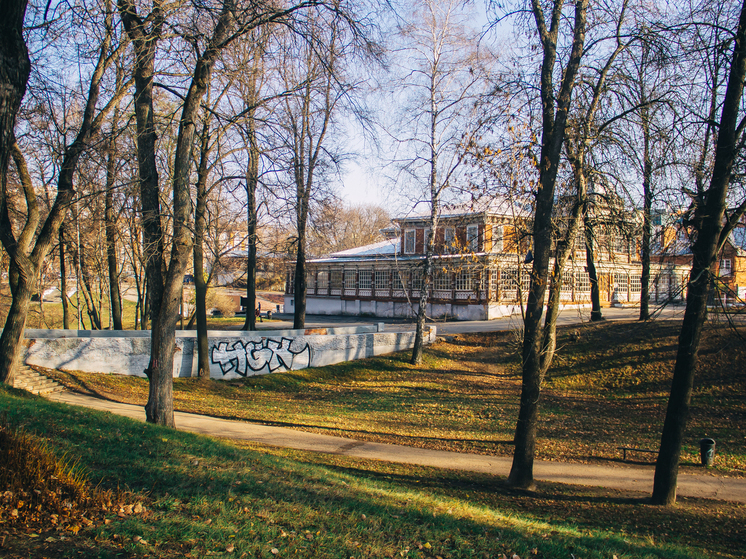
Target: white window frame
{"points": [[726, 266], [350, 279], [365, 279], [381, 280], [497, 238]]}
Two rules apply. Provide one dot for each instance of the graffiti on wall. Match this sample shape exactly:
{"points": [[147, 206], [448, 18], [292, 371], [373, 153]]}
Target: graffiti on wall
{"points": [[267, 355]]}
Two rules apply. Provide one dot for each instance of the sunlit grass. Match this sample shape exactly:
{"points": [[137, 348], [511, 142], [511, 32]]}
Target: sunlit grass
{"points": [[607, 389], [210, 497]]}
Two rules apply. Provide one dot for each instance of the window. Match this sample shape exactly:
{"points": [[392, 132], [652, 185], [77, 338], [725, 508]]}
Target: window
{"points": [[409, 241], [309, 281], [382, 280], [635, 284], [364, 279], [472, 238], [449, 239], [497, 238], [416, 280], [350, 279], [725, 267], [582, 282], [566, 281], [465, 280], [620, 244], [509, 279], [399, 280], [336, 279], [322, 280], [442, 280]]}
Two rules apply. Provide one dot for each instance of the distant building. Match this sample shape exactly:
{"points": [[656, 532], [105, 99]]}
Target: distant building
{"points": [[481, 269]]}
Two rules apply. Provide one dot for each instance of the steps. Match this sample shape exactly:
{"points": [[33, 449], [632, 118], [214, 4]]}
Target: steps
{"points": [[28, 379]]}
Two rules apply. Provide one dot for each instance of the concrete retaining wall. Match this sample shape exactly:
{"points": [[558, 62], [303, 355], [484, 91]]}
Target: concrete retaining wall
{"points": [[232, 354]]}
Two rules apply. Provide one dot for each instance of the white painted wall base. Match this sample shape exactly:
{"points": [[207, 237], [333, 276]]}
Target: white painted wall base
{"points": [[232, 354]]}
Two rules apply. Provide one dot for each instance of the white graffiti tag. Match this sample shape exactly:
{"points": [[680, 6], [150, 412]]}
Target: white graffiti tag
{"points": [[267, 355]]}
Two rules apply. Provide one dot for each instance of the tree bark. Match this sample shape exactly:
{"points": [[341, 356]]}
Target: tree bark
{"points": [[145, 35], [708, 221], [115, 296], [63, 281], [647, 225], [553, 135], [590, 263], [200, 283], [15, 68], [252, 182]]}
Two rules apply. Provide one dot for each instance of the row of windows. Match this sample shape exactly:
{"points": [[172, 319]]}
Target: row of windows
{"points": [[466, 279], [449, 239]]}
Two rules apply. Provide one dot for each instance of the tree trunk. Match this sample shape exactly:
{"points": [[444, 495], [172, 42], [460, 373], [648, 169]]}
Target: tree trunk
{"points": [[252, 181], [159, 408], [115, 297], [15, 67], [63, 281], [564, 248], [90, 302], [553, 135], [299, 316], [200, 283], [590, 262], [647, 226], [251, 210], [145, 35], [708, 221]]}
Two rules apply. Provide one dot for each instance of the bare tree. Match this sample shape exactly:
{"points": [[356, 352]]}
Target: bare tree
{"points": [[442, 76], [555, 107], [317, 90], [706, 220], [29, 249]]}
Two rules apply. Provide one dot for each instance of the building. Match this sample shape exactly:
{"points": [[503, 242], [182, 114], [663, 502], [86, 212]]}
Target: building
{"points": [[481, 269]]}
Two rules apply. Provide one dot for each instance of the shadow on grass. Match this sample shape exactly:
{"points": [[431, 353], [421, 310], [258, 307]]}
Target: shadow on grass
{"points": [[253, 496]]}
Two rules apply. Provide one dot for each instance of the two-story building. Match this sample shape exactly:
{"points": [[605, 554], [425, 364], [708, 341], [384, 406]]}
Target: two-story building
{"points": [[481, 269]]}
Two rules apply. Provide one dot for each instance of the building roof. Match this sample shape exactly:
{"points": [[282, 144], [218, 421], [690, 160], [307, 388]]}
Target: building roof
{"points": [[502, 207], [381, 249]]}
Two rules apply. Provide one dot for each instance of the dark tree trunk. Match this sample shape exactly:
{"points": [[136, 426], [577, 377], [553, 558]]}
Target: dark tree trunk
{"points": [[90, 301], [251, 211], [553, 135], [200, 283], [252, 182], [590, 262], [63, 281], [708, 221], [647, 226], [299, 316], [14, 72], [115, 297], [145, 36]]}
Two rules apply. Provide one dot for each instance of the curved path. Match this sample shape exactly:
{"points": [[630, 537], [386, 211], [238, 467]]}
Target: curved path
{"points": [[633, 478]]}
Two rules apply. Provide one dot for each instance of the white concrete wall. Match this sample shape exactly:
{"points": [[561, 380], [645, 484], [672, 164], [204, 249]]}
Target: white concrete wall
{"points": [[390, 309], [232, 354]]}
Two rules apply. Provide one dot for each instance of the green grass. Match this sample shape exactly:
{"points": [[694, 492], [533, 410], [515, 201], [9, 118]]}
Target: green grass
{"points": [[205, 496], [606, 389]]}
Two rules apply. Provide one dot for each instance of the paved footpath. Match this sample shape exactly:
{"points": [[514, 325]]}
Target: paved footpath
{"points": [[634, 478]]}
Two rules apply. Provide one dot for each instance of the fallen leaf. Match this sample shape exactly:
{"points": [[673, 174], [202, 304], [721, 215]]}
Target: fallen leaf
{"points": [[230, 548]]}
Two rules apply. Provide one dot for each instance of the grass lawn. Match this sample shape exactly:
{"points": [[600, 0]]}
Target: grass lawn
{"points": [[173, 494], [608, 388]]}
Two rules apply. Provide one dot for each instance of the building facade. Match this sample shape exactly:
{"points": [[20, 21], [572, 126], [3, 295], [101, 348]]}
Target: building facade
{"points": [[481, 270]]}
